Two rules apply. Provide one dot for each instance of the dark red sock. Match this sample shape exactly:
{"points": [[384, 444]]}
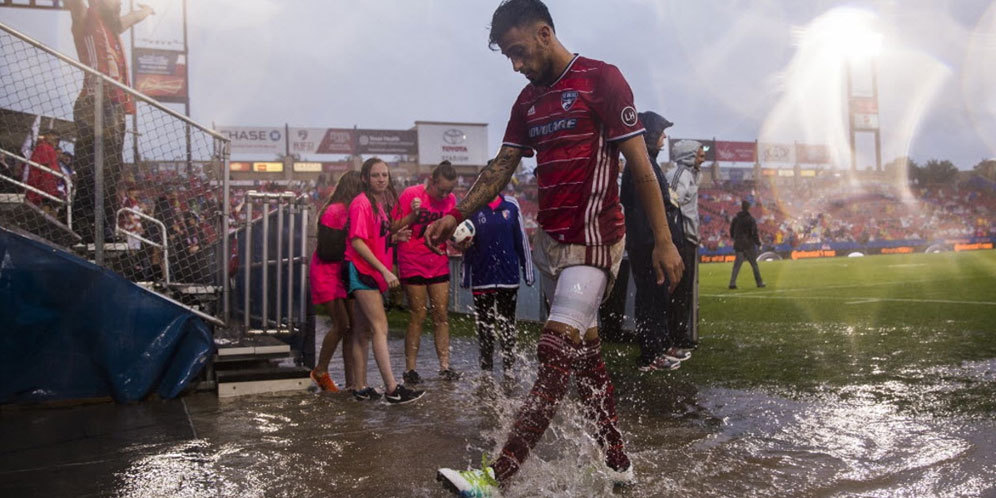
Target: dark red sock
{"points": [[540, 406], [597, 395]]}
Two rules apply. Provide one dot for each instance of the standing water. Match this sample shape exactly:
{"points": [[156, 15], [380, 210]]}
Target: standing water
{"points": [[683, 439]]}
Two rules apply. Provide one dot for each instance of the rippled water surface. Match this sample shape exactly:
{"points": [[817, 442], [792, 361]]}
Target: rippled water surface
{"points": [[684, 440]]}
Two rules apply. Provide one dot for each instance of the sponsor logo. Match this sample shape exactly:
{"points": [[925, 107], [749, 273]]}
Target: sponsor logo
{"points": [[567, 99], [531, 111], [628, 116], [454, 136], [553, 127]]}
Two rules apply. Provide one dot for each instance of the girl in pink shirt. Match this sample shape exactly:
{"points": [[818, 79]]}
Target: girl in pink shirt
{"points": [[328, 289], [425, 274], [369, 269]]}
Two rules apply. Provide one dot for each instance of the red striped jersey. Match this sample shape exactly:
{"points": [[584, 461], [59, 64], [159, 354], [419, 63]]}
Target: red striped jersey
{"points": [[574, 125]]}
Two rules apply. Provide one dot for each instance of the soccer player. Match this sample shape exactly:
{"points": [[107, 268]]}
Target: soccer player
{"points": [[577, 114], [425, 274]]}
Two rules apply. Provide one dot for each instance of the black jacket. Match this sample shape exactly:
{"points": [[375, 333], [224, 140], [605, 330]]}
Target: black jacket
{"points": [[743, 231]]}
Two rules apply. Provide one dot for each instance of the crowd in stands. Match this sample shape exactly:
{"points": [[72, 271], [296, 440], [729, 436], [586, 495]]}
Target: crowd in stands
{"points": [[835, 210]]}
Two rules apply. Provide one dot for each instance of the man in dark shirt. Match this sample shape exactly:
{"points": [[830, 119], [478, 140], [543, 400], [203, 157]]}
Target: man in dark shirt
{"points": [[743, 231]]}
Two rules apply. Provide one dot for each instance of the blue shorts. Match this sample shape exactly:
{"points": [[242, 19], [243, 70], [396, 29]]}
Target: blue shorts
{"points": [[359, 281]]}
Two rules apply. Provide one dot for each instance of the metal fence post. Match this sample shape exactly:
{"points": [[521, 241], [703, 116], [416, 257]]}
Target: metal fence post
{"points": [[291, 209], [98, 174], [279, 313], [247, 264], [266, 264]]}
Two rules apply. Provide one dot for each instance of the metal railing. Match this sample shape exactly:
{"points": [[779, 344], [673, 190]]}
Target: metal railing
{"points": [[167, 164], [286, 289], [164, 246], [46, 170]]}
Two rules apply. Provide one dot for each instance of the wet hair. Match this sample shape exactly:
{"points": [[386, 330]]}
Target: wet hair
{"points": [[516, 13], [349, 186], [391, 194], [445, 170]]}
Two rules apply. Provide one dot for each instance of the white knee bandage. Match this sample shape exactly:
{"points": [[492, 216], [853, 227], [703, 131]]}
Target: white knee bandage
{"points": [[577, 293]]}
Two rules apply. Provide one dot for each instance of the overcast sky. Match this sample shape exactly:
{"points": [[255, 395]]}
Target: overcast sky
{"points": [[735, 70]]}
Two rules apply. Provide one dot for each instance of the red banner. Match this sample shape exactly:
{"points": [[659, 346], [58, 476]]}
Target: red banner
{"points": [[337, 141], [161, 74], [737, 152]]}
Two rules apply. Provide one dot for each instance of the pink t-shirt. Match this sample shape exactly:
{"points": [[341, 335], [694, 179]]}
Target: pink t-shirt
{"points": [[326, 280], [414, 258], [374, 229]]}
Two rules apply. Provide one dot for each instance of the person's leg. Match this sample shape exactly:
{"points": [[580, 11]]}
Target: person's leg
{"points": [[597, 395], [371, 304], [416, 315], [484, 316], [331, 340], [574, 307], [751, 256], [648, 329], [360, 349], [505, 326], [83, 199], [737, 261], [439, 298], [681, 301], [343, 309]]}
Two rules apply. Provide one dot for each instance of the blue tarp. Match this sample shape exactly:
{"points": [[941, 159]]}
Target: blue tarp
{"points": [[71, 329]]}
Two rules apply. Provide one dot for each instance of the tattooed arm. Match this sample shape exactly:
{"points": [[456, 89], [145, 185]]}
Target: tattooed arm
{"points": [[488, 184]]}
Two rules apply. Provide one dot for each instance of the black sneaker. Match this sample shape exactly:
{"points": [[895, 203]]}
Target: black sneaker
{"points": [[733, 287], [449, 374], [411, 377], [366, 394], [402, 395], [761, 285]]}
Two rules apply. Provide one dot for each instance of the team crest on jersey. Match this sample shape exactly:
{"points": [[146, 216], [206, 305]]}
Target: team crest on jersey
{"points": [[505, 213], [568, 98]]}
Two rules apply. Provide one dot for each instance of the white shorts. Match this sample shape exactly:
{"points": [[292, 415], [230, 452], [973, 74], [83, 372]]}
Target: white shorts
{"points": [[576, 293]]}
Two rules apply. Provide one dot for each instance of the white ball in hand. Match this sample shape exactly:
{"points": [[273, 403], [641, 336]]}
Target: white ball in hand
{"points": [[463, 232]]}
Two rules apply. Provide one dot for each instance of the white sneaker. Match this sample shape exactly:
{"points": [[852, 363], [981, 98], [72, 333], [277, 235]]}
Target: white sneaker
{"points": [[474, 483]]}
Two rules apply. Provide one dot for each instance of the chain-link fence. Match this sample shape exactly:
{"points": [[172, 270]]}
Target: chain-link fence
{"points": [[110, 174]]}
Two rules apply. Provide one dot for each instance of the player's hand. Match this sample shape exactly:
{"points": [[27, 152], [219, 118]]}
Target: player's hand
{"points": [[667, 262], [391, 279], [416, 203], [148, 10], [439, 231], [403, 235]]}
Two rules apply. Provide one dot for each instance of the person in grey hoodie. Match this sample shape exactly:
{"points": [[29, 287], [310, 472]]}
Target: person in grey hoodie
{"points": [[683, 309]]}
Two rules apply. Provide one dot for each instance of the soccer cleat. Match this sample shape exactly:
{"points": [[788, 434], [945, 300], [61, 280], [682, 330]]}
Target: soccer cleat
{"points": [[677, 354], [323, 381], [411, 377], [402, 395], [449, 374], [662, 362], [733, 287], [761, 285], [474, 483], [621, 477], [366, 394]]}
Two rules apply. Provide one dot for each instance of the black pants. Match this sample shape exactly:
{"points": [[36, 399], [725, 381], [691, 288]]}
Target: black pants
{"points": [[494, 312], [751, 256], [651, 306], [113, 142], [683, 311]]}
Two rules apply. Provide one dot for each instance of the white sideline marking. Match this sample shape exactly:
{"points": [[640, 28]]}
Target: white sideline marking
{"points": [[851, 286], [853, 299], [907, 265]]}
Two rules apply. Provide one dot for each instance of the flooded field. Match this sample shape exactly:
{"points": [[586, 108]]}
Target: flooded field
{"points": [[684, 440]]}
